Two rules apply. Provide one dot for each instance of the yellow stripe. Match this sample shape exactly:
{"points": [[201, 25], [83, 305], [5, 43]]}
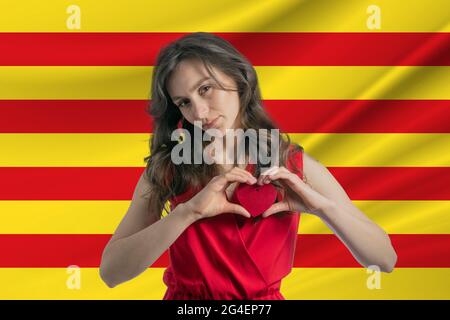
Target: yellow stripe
{"points": [[343, 82], [129, 150], [81, 149], [227, 16], [395, 217], [75, 82], [276, 82], [347, 283], [103, 217], [317, 283], [51, 283]]}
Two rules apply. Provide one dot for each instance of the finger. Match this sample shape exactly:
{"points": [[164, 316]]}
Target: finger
{"points": [[266, 172], [237, 209], [293, 175], [231, 177], [222, 182], [271, 170], [288, 177], [247, 178], [281, 169], [265, 179], [228, 178], [275, 208], [242, 171]]}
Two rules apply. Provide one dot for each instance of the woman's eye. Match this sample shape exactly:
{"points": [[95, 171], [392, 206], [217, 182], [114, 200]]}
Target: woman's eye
{"points": [[205, 87], [180, 105], [208, 87]]}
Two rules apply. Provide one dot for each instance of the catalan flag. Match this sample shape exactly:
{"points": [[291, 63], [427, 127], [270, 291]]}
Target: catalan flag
{"points": [[363, 86]]}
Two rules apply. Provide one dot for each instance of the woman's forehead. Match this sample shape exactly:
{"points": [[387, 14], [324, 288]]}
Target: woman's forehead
{"points": [[185, 76]]}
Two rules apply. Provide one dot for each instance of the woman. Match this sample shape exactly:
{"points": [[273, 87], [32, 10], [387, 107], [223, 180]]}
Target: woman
{"points": [[217, 249]]}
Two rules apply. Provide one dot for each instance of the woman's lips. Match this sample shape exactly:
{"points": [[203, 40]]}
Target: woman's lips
{"points": [[212, 124]]}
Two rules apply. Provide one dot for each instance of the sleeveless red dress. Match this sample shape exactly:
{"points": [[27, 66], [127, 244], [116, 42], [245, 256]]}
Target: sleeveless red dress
{"points": [[230, 257]]}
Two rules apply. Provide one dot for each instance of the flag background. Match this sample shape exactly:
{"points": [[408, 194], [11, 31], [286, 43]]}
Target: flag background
{"points": [[371, 105]]}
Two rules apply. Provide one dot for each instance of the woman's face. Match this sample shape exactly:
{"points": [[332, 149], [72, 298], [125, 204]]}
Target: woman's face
{"points": [[200, 98]]}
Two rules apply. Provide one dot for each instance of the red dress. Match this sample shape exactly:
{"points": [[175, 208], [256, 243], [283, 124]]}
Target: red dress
{"points": [[230, 257]]}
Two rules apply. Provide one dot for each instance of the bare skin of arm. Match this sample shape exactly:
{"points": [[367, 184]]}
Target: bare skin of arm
{"points": [[141, 238]]}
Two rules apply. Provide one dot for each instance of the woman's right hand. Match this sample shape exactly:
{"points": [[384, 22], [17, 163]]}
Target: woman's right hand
{"points": [[212, 199]]}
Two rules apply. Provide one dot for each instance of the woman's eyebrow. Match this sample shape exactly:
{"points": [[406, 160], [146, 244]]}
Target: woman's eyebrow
{"points": [[193, 88]]}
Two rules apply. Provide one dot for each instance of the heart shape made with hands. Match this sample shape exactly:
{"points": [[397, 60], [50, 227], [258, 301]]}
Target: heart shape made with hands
{"points": [[255, 198]]}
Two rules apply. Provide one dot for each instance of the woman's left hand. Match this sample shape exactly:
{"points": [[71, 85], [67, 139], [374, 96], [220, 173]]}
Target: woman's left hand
{"points": [[298, 196]]}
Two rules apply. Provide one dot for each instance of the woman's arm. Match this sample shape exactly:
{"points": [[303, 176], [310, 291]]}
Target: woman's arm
{"points": [[139, 241], [368, 242]]}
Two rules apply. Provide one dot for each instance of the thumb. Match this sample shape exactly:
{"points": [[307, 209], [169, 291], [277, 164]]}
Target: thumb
{"points": [[235, 208], [275, 208]]}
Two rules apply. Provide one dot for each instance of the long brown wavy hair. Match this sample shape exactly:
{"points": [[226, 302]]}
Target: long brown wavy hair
{"points": [[166, 178]]}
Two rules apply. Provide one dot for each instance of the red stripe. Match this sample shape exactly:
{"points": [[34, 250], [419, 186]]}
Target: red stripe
{"points": [[312, 251], [75, 116], [117, 183], [413, 251], [293, 116], [140, 49]]}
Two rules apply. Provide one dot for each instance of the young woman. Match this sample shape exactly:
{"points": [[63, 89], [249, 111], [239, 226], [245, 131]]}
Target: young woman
{"points": [[217, 249]]}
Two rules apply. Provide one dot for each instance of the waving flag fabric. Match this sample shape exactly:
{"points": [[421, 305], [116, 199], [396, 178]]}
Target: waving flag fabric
{"points": [[363, 86]]}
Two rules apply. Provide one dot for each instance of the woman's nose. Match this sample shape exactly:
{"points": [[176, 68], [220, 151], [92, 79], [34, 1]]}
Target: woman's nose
{"points": [[200, 111]]}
